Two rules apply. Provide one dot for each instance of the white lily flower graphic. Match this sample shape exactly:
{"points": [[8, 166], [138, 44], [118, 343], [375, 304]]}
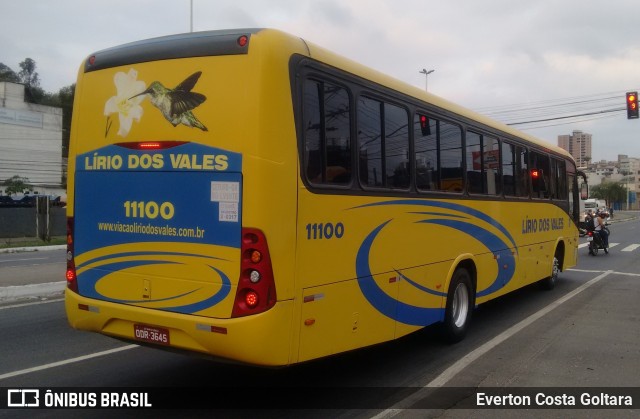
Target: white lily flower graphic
{"points": [[125, 103]]}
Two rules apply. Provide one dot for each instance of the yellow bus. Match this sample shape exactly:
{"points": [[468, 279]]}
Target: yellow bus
{"points": [[249, 195]]}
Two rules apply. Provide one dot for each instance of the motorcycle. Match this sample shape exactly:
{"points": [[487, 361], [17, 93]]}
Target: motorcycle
{"points": [[595, 242]]}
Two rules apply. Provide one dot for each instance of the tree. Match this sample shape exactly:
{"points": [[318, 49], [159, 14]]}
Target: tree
{"points": [[17, 184], [31, 80], [28, 75], [610, 192], [7, 74]]}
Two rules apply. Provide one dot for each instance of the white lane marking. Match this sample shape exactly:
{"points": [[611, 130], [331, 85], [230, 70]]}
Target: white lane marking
{"points": [[21, 260], [630, 248], [580, 246], [472, 356], [54, 300], [66, 361]]}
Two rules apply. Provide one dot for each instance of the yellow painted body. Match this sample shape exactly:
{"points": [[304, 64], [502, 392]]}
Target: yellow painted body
{"points": [[350, 271]]}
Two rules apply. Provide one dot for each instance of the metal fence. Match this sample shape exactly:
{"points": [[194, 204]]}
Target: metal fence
{"points": [[42, 220]]}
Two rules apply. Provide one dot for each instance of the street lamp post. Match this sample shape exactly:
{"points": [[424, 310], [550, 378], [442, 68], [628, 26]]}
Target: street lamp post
{"points": [[426, 77], [627, 192], [626, 181], [191, 17]]}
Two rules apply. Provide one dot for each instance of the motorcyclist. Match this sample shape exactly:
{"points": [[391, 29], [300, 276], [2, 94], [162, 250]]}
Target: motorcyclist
{"points": [[589, 222], [599, 222]]}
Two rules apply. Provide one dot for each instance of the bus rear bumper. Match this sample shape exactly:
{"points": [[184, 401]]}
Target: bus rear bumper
{"points": [[261, 339]]}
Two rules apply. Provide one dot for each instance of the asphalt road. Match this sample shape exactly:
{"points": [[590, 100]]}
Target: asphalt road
{"points": [[584, 333]]}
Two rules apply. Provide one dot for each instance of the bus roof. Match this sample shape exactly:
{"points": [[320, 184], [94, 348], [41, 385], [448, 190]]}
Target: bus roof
{"points": [[222, 42]]}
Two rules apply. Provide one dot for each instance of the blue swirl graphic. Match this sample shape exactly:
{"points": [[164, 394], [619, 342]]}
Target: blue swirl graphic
{"points": [[390, 307], [422, 316], [451, 206], [503, 256], [88, 280], [136, 254], [420, 287]]}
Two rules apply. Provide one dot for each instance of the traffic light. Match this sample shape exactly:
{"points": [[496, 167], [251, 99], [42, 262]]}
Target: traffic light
{"points": [[425, 126], [632, 105]]}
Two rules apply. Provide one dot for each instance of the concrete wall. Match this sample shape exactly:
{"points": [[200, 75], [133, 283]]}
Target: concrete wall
{"points": [[30, 139]]}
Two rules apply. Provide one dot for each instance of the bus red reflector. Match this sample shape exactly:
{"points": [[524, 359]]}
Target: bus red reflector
{"points": [[218, 329], [243, 40], [83, 307]]}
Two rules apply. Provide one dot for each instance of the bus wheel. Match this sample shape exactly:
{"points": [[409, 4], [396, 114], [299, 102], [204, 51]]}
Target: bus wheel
{"points": [[550, 282], [459, 306]]}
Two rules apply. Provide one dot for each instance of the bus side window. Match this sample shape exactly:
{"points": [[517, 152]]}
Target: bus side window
{"points": [[508, 169], [483, 164], [553, 179], [327, 133], [439, 154], [540, 171], [426, 152], [383, 144], [450, 141], [475, 181], [522, 172]]}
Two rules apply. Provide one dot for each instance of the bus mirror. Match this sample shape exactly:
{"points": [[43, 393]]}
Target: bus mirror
{"points": [[584, 191]]}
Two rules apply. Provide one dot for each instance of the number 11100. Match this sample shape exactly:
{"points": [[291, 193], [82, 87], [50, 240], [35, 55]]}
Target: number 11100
{"points": [[150, 209], [324, 231]]}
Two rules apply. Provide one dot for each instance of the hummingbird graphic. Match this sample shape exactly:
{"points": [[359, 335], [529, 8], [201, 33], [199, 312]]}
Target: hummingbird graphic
{"points": [[176, 104]]}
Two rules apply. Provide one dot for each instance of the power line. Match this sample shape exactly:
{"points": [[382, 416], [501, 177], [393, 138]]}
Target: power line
{"points": [[568, 116], [562, 109]]}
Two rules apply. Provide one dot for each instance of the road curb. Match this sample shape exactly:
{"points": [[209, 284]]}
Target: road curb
{"points": [[16, 292], [33, 249]]}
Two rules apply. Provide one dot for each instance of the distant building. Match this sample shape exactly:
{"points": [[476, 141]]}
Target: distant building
{"points": [[626, 171], [30, 141], [579, 145]]}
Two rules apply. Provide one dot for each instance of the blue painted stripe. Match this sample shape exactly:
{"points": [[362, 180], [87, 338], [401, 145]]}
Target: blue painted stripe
{"points": [[447, 205], [87, 282], [389, 306], [421, 316], [505, 260], [420, 287], [145, 253]]}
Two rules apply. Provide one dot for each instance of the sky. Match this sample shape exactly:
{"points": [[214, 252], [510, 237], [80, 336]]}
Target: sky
{"points": [[515, 61]]}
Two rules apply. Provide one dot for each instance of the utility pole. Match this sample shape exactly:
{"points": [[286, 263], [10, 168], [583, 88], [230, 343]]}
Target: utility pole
{"points": [[426, 77]]}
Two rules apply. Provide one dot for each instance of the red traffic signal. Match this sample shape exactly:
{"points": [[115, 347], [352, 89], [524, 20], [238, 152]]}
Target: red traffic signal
{"points": [[632, 105]]}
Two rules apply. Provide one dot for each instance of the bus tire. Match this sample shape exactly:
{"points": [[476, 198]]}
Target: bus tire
{"points": [[549, 282], [459, 306]]}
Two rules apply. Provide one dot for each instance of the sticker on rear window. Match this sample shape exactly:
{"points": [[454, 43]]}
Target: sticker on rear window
{"points": [[225, 192]]}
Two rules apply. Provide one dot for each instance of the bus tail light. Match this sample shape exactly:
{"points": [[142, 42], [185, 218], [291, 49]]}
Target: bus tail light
{"points": [[256, 287], [72, 279]]}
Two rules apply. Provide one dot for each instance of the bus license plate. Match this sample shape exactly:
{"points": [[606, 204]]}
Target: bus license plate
{"points": [[151, 334]]}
